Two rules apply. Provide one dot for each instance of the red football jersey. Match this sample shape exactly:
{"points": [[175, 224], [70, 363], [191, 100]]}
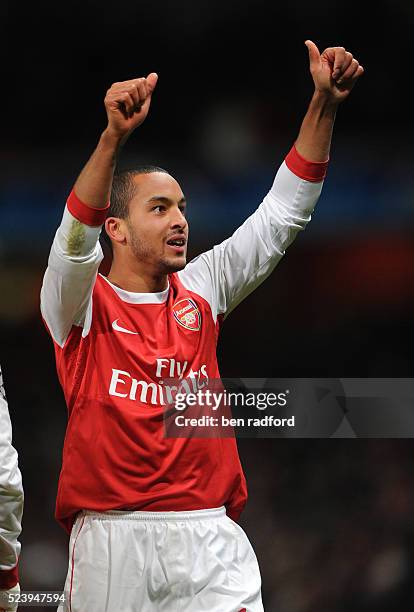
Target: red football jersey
{"points": [[114, 348]]}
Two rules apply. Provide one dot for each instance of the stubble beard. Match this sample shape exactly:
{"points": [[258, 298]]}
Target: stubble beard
{"points": [[143, 252]]}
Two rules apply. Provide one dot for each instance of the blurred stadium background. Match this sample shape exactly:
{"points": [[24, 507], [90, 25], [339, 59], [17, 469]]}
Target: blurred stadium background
{"points": [[331, 520]]}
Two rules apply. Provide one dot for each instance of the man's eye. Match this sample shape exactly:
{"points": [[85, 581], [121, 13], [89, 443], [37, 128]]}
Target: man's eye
{"points": [[159, 208], [183, 211]]}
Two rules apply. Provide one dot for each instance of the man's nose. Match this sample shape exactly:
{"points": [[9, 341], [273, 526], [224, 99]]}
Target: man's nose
{"points": [[178, 219]]}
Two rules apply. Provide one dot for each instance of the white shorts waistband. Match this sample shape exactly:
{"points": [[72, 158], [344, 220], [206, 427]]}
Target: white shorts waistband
{"points": [[137, 515]]}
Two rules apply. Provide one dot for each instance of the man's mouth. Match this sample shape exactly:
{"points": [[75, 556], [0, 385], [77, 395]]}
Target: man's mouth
{"points": [[177, 244]]}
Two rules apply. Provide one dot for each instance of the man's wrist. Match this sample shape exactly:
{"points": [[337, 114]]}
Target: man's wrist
{"points": [[314, 140], [111, 140], [324, 103]]}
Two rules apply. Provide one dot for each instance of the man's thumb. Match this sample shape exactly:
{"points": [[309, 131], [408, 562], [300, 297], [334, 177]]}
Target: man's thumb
{"points": [[314, 55], [152, 79]]}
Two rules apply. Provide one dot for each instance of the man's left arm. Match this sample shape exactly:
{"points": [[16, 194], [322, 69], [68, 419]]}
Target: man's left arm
{"points": [[230, 271], [334, 74]]}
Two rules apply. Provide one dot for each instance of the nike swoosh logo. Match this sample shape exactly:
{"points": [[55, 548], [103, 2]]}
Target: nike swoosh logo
{"points": [[117, 327]]}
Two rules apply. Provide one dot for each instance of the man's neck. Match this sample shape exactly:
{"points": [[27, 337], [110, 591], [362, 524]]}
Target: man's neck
{"points": [[129, 281]]}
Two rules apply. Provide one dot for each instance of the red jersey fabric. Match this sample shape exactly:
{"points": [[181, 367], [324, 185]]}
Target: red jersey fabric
{"points": [[115, 454]]}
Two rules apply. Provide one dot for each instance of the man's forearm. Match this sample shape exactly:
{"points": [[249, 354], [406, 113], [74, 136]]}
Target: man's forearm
{"points": [[127, 104], [94, 183], [314, 140], [334, 73]]}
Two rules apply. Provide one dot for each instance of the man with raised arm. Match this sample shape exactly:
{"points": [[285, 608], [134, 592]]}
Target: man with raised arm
{"points": [[11, 508], [152, 518]]}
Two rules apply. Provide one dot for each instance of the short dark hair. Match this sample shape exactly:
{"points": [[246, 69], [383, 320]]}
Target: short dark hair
{"points": [[123, 190]]}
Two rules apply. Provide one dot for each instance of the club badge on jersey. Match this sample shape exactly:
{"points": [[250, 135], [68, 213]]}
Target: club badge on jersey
{"points": [[187, 314]]}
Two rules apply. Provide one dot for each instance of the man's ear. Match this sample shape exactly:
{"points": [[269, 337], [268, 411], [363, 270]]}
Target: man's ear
{"points": [[115, 228]]}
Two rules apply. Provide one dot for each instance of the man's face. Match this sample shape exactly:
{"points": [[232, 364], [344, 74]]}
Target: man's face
{"points": [[156, 224]]}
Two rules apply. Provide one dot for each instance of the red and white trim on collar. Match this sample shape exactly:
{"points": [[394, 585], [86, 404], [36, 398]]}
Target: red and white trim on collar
{"points": [[139, 298]]}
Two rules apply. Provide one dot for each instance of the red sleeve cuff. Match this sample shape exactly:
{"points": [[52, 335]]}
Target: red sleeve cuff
{"points": [[314, 172], [85, 214], [9, 578]]}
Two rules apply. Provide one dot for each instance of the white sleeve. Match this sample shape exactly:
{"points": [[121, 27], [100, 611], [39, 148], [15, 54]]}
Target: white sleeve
{"points": [[11, 491], [230, 271], [65, 298]]}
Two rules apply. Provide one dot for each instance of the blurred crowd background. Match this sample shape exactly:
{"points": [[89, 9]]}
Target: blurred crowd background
{"points": [[330, 520]]}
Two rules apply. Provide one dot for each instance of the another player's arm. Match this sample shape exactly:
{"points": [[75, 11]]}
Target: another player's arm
{"points": [[233, 269], [76, 253], [11, 507]]}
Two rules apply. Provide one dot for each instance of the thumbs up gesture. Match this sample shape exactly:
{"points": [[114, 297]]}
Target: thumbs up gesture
{"points": [[334, 72], [127, 104]]}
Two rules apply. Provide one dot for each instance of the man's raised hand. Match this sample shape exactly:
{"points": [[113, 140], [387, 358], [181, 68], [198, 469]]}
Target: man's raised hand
{"points": [[334, 72], [127, 104]]}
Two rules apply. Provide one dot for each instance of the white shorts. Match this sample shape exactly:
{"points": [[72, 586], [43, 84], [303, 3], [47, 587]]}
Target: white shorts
{"points": [[192, 561]]}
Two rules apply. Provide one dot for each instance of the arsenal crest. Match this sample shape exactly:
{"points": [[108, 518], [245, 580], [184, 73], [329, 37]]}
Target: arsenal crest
{"points": [[187, 314]]}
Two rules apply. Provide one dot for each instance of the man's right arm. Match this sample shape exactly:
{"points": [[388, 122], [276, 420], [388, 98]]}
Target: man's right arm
{"points": [[76, 253]]}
